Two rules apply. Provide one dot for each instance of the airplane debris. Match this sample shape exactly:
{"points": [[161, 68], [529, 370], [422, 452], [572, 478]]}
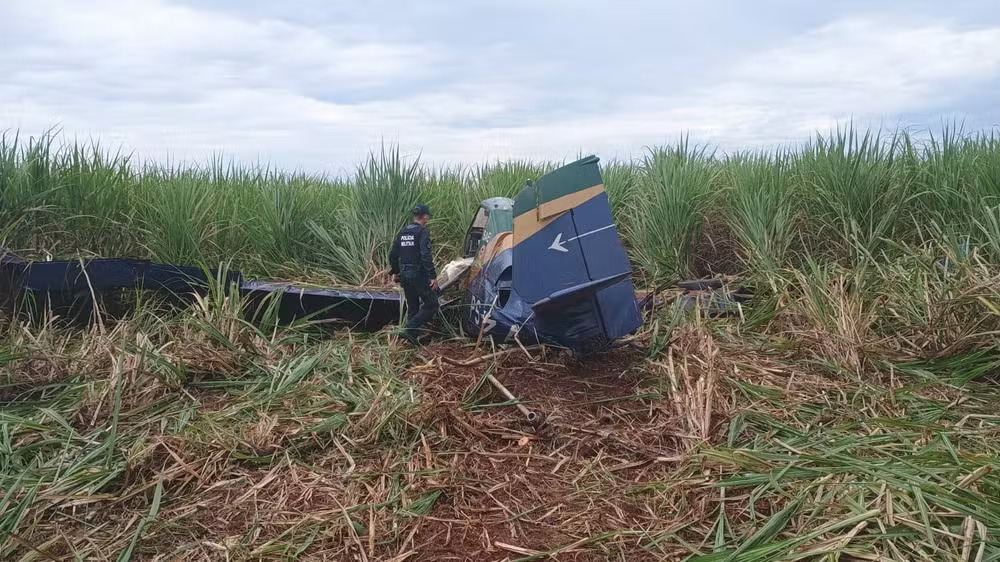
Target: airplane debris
{"points": [[536, 419]]}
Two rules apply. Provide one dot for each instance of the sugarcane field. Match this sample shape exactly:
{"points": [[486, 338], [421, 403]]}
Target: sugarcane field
{"points": [[499, 281], [845, 405]]}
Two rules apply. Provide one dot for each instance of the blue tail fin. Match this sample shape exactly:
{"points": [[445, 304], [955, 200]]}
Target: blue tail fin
{"points": [[568, 262]]}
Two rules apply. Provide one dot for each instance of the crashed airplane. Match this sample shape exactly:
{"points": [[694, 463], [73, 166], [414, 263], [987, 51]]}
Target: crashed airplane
{"points": [[549, 267], [545, 267]]}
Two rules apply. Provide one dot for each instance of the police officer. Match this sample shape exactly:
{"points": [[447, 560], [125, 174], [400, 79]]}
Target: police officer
{"points": [[413, 268]]}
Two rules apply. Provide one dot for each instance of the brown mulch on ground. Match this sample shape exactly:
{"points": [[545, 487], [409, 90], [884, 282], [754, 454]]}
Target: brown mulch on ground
{"points": [[511, 491], [449, 471]]}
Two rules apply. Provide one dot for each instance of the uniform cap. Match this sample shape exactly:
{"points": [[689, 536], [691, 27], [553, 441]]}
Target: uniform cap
{"points": [[421, 209]]}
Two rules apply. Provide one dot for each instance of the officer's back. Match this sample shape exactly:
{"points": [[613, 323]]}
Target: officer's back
{"points": [[411, 255], [412, 266], [409, 247]]}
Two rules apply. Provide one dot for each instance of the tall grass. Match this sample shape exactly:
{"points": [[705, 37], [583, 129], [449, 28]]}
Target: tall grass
{"points": [[761, 208], [354, 244], [851, 197], [849, 413], [672, 197]]}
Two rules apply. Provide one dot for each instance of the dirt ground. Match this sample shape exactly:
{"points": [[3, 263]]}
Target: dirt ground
{"points": [[456, 473], [510, 491]]}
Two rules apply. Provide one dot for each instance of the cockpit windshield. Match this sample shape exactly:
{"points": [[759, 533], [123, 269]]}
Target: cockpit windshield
{"points": [[494, 216], [500, 217]]}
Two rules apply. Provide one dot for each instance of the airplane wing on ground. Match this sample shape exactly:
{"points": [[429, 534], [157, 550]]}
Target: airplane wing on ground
{"points": [[69, 287], [568, 262]]}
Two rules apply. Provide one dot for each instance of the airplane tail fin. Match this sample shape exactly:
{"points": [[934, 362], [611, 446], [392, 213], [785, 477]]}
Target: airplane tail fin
{"points": [[568, 262]]}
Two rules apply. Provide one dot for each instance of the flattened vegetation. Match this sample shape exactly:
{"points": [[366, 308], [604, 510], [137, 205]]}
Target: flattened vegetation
{"points": [[199, 437]]}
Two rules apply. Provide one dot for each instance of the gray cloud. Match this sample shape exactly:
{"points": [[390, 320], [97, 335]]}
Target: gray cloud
{"points": [[317, 93]]}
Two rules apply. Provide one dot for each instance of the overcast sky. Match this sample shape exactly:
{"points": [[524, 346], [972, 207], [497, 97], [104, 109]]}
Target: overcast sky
{"points": [[315, 85]]}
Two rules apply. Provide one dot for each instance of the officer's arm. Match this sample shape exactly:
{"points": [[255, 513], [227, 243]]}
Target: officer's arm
{"points": [[426, 257], [394, 256]]}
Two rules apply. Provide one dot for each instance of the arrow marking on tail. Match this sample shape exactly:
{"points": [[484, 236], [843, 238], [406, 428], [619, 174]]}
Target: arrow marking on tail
{"points": [[557, 244]]}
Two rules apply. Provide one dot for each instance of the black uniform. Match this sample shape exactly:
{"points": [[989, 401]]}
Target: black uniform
{"points": [[411, 258]]}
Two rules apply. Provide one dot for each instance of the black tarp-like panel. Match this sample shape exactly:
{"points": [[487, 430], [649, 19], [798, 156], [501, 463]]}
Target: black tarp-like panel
{"points": [[68, 288]]}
